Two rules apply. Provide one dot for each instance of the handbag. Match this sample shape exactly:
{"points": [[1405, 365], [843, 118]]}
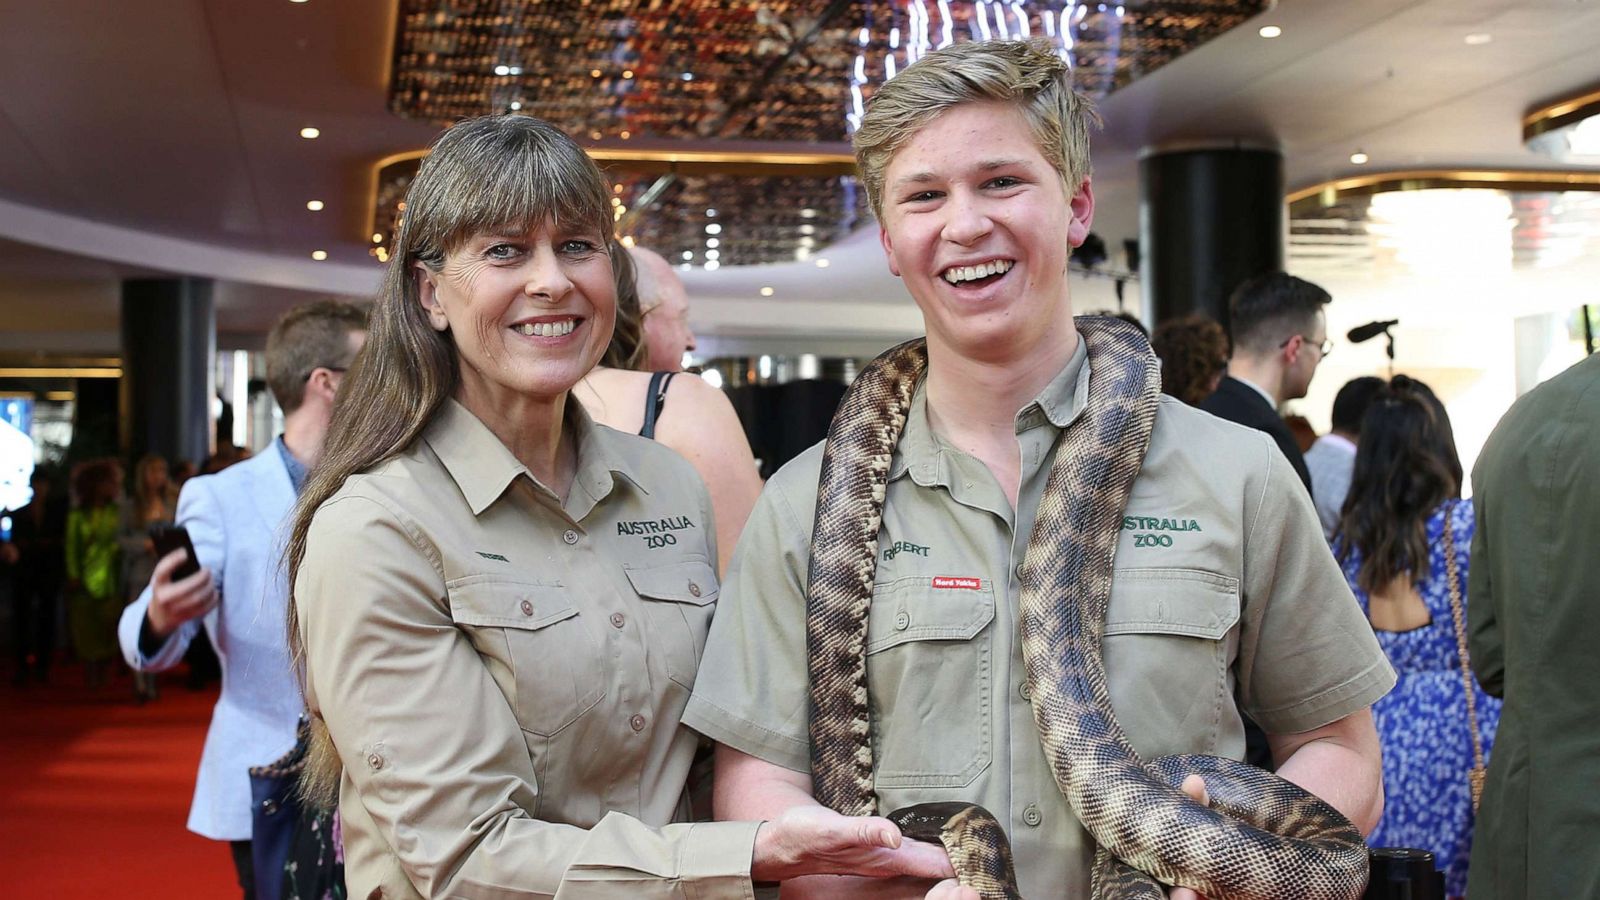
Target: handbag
{"points": [[1478, 773], [274, 813]]}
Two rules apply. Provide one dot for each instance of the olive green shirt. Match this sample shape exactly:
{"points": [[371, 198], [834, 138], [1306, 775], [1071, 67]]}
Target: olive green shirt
{"points": [[503, 673], [1225, 598]]}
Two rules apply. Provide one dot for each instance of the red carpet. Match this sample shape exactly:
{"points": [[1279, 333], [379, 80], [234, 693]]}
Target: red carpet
{"points": [[94, 792]]}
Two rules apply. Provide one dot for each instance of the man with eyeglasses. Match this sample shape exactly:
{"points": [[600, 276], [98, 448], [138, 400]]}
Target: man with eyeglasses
{"points": [[1280, 335], [238, 596]]}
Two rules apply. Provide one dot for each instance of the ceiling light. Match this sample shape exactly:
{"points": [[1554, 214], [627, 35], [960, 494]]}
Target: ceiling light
{"points": [[1270, 31], [687, 76], [1479, 38], [319, 255], [627, 73], [502, 70], [712, 242], [808, 213], [627, 240], [711, 213], [314, 205], [822, 264], [309, 133], [377, 238], [713, 228], [808, 229], [766, 292], [712, 265], [688, 255], [516, 105], [625, 135], [713, 254], [594, 73], [297, 1], [1358, 158]]}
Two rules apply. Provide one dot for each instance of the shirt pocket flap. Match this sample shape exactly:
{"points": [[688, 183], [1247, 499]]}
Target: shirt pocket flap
{"points": [[912, 609], [691, 581], [495, 602], [1187, 602]]}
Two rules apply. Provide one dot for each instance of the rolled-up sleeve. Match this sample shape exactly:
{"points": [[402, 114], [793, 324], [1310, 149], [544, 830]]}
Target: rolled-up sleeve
{"points": [[752, 691], [432, 750], [1307, 654]]}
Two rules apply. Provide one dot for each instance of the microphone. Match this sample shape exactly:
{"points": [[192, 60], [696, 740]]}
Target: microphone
{"points": [[1369, 331]]}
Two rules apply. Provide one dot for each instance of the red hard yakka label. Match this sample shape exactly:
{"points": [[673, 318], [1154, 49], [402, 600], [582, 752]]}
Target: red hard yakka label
{"points": [[953, 582]]}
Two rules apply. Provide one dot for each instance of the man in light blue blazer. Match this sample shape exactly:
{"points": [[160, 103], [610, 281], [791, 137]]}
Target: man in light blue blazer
{"points": [[237, 521]]}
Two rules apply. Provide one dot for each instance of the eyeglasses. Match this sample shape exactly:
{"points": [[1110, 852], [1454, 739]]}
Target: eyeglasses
{"points": [[1324, 348], [314, 369]]}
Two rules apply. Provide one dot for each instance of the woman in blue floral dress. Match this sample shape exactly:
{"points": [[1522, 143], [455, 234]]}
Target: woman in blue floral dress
{"points": [[1403, 496]]}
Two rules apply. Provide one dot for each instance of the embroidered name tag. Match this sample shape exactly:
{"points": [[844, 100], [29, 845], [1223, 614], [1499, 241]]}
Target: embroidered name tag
{"points": [[953, 583]]}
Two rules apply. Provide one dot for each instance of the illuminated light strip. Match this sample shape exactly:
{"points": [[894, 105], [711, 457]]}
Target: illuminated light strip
{"points": [[946, 25], [1022, 20], [983, 19], [1432, 179], [60, 372], [1560, 114], [1000, 21]]}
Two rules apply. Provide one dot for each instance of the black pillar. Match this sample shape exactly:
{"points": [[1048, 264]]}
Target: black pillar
{"points": [[1209, 218], [169, 339]]}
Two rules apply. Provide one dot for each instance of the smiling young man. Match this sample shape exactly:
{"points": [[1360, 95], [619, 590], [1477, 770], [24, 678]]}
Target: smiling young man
{"points": [[1224, 598]]}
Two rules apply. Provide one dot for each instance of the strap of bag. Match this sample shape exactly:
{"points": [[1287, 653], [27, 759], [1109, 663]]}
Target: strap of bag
{"points": [[655, 398], [1475, 776]]}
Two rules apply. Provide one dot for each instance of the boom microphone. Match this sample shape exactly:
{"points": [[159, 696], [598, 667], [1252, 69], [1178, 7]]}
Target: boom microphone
{"points": [[1369, 331]]}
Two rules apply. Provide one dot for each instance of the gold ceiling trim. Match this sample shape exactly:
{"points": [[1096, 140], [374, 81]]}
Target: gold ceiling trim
{"points": [[1431, 179], [1560, 114], [59, 372], [817, 163]]}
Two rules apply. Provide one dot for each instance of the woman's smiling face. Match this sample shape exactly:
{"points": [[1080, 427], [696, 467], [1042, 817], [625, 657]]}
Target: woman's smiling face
{"points": [[530, 314]]}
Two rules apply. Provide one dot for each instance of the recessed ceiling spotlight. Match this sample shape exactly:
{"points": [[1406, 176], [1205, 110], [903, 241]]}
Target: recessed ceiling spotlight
{"points": [[1479, 38], [766, 292], [713, 253], [377, 238], [297, 1], [594, 73], [1359, 158], [822, 264], [687, 76], [713, 228], [713, 242], [502, 70], [627, 73], [309, 133], [1270, 31], [319, 255], [712, 265], [711, 213], [314, 205], [688, 255]]}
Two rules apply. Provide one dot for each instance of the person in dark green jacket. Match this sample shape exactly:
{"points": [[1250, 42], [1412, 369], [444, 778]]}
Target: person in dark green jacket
{"points": [[1534, 624]]}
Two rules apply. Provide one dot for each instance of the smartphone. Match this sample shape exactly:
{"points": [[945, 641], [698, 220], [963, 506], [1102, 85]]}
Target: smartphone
{"points": [[173, 537]]}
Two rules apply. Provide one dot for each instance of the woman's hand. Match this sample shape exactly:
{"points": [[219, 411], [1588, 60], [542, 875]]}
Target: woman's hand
{"points": [[813, 840]]}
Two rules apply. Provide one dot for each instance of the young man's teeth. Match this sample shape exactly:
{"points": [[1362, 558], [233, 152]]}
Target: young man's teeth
{"points": [[958, 274], [547, 329]]}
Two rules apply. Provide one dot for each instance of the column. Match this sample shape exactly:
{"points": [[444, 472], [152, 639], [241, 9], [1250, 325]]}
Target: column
{"points": [[169, 339], [1210, 217]]}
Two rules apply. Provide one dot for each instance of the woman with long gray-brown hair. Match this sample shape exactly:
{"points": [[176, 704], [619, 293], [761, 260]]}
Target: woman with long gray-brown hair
{"points": [[499, 606]]}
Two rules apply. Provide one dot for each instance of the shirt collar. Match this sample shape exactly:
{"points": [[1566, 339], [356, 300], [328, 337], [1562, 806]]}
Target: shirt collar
{"points": [[1258, 389], [921, 452], [297, 470], [483, 467]]}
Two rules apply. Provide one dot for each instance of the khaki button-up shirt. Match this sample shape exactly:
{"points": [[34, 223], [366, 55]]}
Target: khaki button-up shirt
{"points": [[503, 673], [1225, 597]]}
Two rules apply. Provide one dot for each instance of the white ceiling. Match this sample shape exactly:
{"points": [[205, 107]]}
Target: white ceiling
{"points": [[150, 136]]}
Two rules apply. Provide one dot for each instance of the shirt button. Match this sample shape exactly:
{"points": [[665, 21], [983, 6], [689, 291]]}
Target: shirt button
{"points": [[1031, 815], [269, 807], [527, 608], [637, 722], [1018, 571], [374, 761], [902, 621], [618, 620], [1025, 691], [571, 537], [694, 589]]}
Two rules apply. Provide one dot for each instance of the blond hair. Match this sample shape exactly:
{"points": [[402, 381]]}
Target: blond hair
{"points": [[1027, 74]]}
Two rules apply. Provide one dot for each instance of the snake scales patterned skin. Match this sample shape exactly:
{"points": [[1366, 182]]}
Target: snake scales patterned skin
{"points": [[1261, 838]]}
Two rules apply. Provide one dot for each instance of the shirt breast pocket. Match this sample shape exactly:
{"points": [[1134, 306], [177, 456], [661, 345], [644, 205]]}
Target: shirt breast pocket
{"points": [[928, 676], [1168, 646], [679, 598], [535, 633]]}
